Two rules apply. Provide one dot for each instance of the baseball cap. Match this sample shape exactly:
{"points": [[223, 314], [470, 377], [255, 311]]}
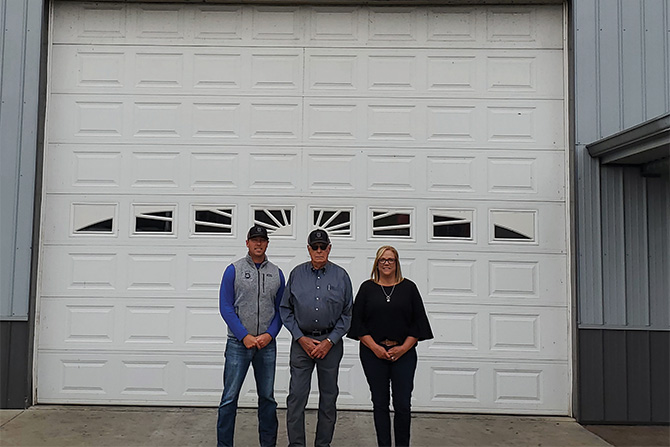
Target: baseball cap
{"points": [[257, 231], [318, 236]]}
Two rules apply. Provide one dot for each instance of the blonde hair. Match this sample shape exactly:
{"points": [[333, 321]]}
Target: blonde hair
{"points": [[375, 268]]}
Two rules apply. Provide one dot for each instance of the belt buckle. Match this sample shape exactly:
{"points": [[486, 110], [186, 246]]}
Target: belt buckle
{"points": [[316, 333]]}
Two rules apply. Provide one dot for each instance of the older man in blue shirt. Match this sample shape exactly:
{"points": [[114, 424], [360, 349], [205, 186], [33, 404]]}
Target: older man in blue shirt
{"points": [[316, 309]]}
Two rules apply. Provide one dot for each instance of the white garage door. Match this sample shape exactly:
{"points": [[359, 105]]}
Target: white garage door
{"points": [[172, 128]]}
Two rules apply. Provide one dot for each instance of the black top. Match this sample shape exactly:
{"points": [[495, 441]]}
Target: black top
{"points": [[396, 319]]}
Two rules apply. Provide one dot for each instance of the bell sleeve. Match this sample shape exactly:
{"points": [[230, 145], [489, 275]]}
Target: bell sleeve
{"points": [[420, 325], [359, 315]]}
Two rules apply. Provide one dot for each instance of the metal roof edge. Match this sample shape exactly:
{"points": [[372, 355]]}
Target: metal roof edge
{"points": [[639, 144]]}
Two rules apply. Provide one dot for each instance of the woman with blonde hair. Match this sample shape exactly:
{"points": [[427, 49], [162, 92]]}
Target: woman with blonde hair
{"points": [[389, 319]]}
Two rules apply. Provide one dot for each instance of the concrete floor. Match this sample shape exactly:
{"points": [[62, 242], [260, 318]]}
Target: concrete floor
{"points": [[158, 426], [632, 435]]}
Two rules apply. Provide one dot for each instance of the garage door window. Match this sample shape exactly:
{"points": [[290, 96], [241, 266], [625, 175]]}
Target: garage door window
{"points": [[277, 220], [452, 224], [513, 226], [392, 223], [215, 220], [154, 219], [93, 218], [336, 221]]}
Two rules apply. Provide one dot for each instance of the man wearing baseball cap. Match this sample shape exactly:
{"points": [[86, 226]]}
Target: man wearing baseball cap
{"points": [[316, 309], [249, 297]]}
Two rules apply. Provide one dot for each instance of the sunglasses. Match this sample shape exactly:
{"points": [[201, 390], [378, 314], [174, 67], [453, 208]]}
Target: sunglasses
{"points": [[317, 247]]}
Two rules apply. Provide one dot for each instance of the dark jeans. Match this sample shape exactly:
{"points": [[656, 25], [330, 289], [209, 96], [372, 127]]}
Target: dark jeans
{"points": [[383, 377], [238, 359], [327, 370]]}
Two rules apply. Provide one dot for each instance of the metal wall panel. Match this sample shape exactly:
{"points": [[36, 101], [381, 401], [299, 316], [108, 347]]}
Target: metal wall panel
{"points": [[623, 376], [588, 243], [658, 224], [622, 78], [614, 278], [15, 373], [621, 69], [656, 46], [635, 237], [19, 87], [660, 371]]}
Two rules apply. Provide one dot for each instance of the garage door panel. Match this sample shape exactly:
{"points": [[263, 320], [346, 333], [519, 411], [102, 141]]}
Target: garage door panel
{"points": [[104, 168], [524, 227], [336, 121], [159, 378], [120, 270], [445, 123], [495, 332], [156, 120], [87, 378], [151, 70], [454, 73], [397, 27], [528, 388], [132, 323], [491, 279], [448, 173]]}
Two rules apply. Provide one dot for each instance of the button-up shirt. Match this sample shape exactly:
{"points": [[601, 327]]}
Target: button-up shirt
{"points": [[317, 300]]}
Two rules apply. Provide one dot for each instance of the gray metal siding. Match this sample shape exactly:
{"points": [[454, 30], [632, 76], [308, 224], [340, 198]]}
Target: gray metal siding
{"points": [[15, 367], [587, 178], [614, 285], [624, 376], [621, 78], [658, 212], [19, 93], [635, 237]]}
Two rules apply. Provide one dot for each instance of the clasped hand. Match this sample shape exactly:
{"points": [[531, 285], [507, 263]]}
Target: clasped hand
{"points": [[257, 342], [392, 354], [314, 348]]}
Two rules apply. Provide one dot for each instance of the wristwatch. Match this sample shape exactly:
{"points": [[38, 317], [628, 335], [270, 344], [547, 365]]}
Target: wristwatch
{"points": [[331, 341]]}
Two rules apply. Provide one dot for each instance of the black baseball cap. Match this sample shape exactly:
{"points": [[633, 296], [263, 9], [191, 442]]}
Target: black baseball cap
{"points": [[318, 236], [257, 231]]}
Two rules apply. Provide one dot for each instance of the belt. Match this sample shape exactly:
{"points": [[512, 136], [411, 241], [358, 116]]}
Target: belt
{"points": [[388, 343], [317, 333]]}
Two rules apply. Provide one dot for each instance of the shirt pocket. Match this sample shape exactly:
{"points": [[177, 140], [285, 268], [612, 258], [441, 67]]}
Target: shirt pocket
{"points": [[334, 300]]}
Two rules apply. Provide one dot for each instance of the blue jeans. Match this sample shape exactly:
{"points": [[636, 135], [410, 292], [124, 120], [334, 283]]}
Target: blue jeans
{"points": [[238, 359]]}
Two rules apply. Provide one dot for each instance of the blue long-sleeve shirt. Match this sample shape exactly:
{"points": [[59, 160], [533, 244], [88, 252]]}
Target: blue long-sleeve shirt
{"points": [[228, 310]]}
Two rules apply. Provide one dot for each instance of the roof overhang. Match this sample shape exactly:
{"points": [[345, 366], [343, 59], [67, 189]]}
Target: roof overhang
{"points": [[645, 143]]}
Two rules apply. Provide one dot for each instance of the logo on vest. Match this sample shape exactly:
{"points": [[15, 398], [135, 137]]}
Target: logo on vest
{"points": [[247, 275]]}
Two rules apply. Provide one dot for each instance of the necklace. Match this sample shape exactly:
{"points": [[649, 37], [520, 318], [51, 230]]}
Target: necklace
{"points": [[388, 296]]}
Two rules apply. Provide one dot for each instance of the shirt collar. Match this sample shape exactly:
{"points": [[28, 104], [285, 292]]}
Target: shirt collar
{"points": [[323, 269]]}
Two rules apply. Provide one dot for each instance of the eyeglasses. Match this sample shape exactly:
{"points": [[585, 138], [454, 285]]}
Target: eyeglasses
{"points": [[317, 247], [389, 261]]}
